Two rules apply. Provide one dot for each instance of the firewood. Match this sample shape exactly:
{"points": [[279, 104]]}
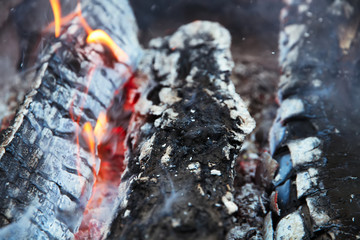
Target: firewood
{"points": [[314, 137], [45, 177], [185, 134]]}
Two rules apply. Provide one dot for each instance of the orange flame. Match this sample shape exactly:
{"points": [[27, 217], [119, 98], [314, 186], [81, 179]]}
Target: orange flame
{"points": [[111, 165], [94, 36], [89, 136], [99, 36], [55, 5], [100, 128]]}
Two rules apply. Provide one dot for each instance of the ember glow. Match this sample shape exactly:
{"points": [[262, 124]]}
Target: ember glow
{"points": [[110, 138]]}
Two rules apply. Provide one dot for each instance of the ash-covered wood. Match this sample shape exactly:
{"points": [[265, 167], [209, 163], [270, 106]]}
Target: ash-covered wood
{"points": [[315, 136], [183, 140], [45, 177]]}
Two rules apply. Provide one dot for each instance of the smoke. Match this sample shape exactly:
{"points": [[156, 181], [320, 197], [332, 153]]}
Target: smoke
{"points": [[22, 228]]}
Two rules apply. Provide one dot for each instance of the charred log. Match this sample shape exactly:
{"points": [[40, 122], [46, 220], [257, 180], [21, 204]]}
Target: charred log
{"points": [[45, 177], [315, 136], [183, 140]]}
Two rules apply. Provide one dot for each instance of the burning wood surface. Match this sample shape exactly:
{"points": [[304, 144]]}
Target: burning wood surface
{"points": [[100, 150], [48, 154], [183, 140]]}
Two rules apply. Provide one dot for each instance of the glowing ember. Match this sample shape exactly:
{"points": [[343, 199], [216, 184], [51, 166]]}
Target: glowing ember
{"points": [[132, 94], [111, 150], [55, 5]]}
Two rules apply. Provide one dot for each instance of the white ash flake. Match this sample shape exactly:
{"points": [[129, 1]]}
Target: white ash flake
{"points": [[194, 167], [240, 112], [319, 216], [316, 83], [146, 148], [210, 164], [146, 127], [166, 157], [290, 227], [303, 8], [218, 36], [189, 79], [157, 110], [156, 42], [268, 227], [175, 222], [305, 181], [228, 200], [215, 172], [127, 213], [166, 65], [291, 36], [168, 96], [242, 232], [226, 151], [290, 108], [201, 190], [160, 122], [305, 150], [144, 106]]}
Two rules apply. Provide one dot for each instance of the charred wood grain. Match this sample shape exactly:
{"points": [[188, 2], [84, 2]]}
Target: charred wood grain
{"points": [[183, 139], [315, 135], [45, 178]]}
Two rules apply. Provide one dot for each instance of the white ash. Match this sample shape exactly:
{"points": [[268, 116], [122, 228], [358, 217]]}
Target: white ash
{"points": [[306, 181], [169, 96], [146, 148], [291, 35], [290, 227], [166, 157], [228, 201], [318, 215], [245, 231], [194, 167], [220, 39], [291, 108], [268, 229], [305, 150], [215, 172]]}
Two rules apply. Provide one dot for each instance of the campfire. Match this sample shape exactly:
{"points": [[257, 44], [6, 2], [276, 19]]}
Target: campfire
{"points": [[104, 138]]}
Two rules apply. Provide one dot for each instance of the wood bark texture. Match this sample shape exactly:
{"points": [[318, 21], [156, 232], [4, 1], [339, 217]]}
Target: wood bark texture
{"points": [[45, 178], [317, 187], [186, 132]]}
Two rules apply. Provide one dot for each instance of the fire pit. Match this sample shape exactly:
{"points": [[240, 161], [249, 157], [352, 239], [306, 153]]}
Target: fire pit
{"points": [[102, 138]]}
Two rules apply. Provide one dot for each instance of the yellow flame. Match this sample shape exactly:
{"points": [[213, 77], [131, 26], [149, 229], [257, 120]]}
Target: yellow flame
{"points": [[100, 128], [55, 5], [88, 135], [99, 36]]}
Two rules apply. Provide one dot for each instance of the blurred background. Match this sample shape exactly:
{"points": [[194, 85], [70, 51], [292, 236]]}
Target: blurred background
{"points": [[254, 25]]}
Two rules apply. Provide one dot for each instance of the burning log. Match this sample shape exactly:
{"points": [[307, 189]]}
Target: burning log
{"points": [[317, 185], [46, 168], [185, 134]]}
